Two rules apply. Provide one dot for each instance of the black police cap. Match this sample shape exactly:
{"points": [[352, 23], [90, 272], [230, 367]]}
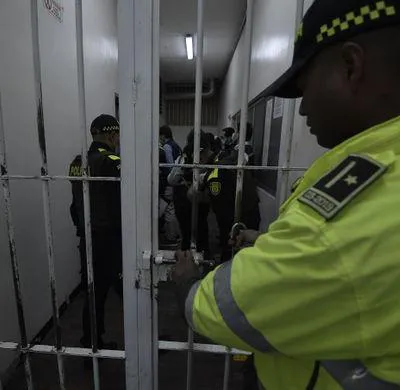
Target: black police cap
{"points": [[328, 22], [104, 124]]}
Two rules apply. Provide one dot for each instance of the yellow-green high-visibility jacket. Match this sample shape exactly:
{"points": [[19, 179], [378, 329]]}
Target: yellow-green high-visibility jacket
{"points": [[324, 283]]}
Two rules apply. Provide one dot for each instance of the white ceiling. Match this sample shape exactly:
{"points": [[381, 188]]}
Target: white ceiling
{"points": [[222, 22]]}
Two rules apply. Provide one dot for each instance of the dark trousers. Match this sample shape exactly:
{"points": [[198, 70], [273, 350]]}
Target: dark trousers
{"points": [[183, 212], [250, 380], [107, 270]]}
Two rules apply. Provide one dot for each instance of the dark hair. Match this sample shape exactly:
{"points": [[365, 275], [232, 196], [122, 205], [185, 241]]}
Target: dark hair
{"points": [[228, 131], [166, 131], [204, 140]]}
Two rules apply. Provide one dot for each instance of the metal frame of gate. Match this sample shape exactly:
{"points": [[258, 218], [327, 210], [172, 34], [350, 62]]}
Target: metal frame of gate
{"points": [[138, 36]]}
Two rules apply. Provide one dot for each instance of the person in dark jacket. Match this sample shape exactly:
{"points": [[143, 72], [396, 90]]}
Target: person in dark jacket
{"points": [[227, 140], [221, 186], [181, 180], [171, 148], [105, 208], [172, 152]]}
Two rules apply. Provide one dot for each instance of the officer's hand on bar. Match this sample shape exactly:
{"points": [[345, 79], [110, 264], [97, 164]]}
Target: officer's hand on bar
{"points": [[185, 268], [245, 238]]}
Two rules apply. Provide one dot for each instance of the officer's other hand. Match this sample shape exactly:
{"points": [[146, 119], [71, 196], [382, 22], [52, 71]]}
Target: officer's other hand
{"points": [[244, 238], [185, 268]]}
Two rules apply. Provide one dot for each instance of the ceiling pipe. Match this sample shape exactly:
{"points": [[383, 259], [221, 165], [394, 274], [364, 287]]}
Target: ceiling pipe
{"points": [[189, 96]]}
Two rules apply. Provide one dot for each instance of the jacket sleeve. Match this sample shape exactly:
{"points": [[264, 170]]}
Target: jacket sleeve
{"points": [[176, 176], [169, 154], [289, 293]]}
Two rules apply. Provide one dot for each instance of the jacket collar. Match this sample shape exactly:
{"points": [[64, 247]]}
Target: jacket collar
{"points": [[95, 146]]}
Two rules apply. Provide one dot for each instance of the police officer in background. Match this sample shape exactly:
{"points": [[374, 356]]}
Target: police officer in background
{"points": [[169, 222], [317, 297], [105, 208], [221, 187]]}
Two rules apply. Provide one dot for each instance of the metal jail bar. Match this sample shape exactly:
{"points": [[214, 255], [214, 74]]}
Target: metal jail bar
{"points": [[198, 104], [242, 138], [46, 187], [13, 254], [85, 187], [244, 107], [155, 182], [136, 78]]}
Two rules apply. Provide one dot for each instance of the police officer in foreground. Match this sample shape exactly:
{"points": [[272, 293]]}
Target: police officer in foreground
{"points": [[105, 207], [317, 297]]}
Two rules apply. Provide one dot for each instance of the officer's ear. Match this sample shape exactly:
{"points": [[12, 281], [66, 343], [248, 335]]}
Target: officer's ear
{"points": [[353, 58]]}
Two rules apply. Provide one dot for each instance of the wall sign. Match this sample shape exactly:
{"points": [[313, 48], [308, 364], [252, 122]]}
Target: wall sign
{"points": [[278, 108], [55, 8]]}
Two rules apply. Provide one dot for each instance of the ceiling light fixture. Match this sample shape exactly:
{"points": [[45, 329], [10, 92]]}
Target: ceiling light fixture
{"points": [[189, 47]]}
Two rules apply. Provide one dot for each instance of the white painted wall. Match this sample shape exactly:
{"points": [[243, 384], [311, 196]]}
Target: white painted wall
{"points": [[273, 39], [60, 95], [273, 42]]}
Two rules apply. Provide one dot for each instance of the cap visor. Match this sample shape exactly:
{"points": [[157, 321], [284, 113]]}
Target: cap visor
{"points": [[286, 85]]}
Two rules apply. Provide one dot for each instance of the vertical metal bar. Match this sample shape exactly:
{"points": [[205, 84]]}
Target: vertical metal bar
{"points": [[156, 120], [189, 376], [227, 371], [13, 252], [244, 109], [126, 68], [46, 186], [289, 121], [197, 116], [155, 171], [196, 160], [85, 187], [135, 33]]}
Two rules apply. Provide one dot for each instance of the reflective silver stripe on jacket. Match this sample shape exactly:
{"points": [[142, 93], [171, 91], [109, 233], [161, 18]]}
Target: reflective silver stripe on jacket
{"points": [[233, 316], [353, 375], [189, 304]]}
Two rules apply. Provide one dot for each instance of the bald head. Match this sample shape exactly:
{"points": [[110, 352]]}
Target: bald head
{"points": [[352, 86]]}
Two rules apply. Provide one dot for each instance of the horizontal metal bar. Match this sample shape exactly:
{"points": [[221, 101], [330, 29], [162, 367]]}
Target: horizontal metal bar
{"points": [[65, 351], [197, 347], [51, 178], [234, 167], [113, 179], [119, 354]]}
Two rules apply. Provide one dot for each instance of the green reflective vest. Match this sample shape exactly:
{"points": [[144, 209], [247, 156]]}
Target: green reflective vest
{"points": [[324, 283]]}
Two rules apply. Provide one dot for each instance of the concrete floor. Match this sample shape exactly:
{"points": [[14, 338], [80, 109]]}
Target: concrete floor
{"points": [[208, 369]]}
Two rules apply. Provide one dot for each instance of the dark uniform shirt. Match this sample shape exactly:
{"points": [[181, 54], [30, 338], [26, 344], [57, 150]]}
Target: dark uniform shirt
{"points": [[221, 185], [105, 197]]}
